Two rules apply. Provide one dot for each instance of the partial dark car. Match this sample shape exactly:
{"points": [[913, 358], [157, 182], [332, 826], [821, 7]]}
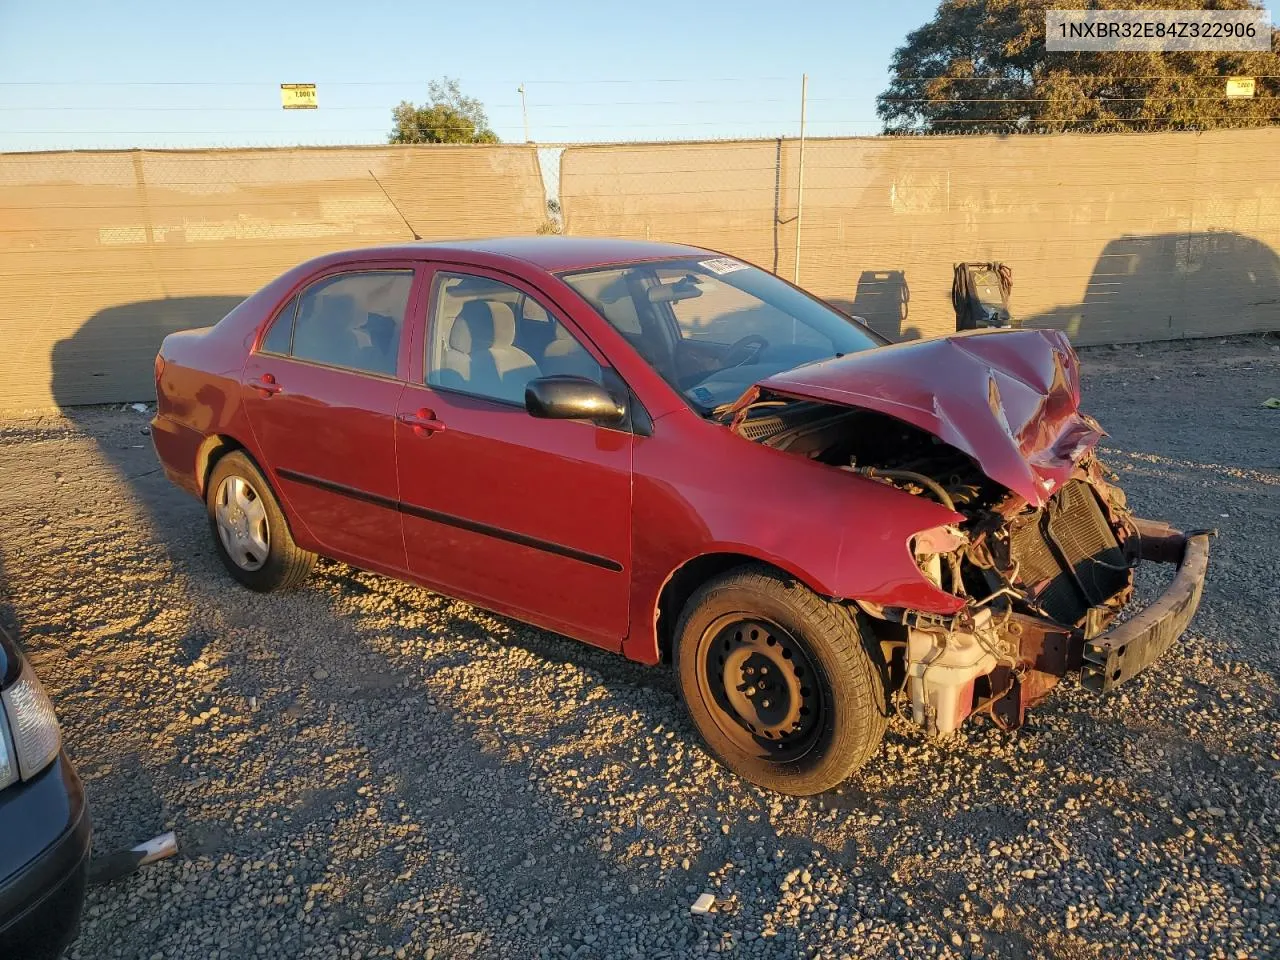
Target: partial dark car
{"points": [[670, 453], [45, 828]]}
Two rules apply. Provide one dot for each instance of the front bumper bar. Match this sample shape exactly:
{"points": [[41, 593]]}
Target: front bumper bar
{"points": [[1113, 657]]}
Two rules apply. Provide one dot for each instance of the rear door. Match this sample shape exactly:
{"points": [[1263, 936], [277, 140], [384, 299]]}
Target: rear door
{"points": [[321, 392], [529, 517]]}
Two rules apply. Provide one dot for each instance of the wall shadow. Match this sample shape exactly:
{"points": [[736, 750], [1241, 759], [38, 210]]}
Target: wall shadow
{"points": [[883, 299], [1171, 285]]}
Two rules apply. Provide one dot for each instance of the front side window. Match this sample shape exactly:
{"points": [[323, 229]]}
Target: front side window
{"points": [[490, 339], [713, 326], [351, 320]]}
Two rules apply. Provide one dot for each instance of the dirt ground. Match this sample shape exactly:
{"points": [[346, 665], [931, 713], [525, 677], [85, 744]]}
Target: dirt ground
{"points": [[363, 768]]}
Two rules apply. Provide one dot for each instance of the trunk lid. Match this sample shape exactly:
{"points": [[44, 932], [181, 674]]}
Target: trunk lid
{"points": [[1008, 398]]}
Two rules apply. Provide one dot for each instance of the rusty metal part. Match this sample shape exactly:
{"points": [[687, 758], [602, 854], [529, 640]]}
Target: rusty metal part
{"points": [[1046, 652], [1046, 647], [1005, 662], [1114, 657]]}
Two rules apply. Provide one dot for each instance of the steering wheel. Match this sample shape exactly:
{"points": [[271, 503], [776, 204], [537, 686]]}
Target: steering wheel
{"points": [[750, 347]]}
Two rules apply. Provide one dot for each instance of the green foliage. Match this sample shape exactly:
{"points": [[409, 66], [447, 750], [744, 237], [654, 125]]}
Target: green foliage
{"points": [[980, 66], [449, 117]]}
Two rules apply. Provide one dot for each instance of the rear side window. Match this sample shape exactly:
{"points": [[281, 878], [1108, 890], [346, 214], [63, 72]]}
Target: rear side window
{"points": [[350, 320], [280, 336]]}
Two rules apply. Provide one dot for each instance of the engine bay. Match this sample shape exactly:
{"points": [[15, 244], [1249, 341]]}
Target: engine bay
{"points": [[1026, 573]]}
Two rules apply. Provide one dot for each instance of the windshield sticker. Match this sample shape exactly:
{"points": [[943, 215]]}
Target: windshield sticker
{"points": [[703, 395], [723, 265]]}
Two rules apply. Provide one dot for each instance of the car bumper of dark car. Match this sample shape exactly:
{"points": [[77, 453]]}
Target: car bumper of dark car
{"points": [[1113, 657], [45, 834]]}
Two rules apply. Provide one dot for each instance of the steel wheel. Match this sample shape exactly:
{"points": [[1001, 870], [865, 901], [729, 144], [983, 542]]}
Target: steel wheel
{"points": [[766, 695], [241, 519]]}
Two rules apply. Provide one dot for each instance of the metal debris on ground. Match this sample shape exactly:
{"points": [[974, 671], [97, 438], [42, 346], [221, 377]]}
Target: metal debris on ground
{"points": [[118, 865]]}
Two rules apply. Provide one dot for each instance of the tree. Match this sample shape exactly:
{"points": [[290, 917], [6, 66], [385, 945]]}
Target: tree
{"points": [[449, 117], [980, 66]]}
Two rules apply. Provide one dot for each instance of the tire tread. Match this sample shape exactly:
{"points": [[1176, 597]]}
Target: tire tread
{"points": [[861, 683]]}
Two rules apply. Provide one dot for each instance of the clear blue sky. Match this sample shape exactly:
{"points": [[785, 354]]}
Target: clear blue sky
{"points": [[168, 73], [76, 73]]}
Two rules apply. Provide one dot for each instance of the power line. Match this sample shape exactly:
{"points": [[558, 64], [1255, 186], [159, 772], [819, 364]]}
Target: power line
{"points": [[414, 82], [417, 81], [941, 102]]}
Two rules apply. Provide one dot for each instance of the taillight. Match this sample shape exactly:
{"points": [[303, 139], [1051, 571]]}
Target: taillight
{"points": [[30, 740]]}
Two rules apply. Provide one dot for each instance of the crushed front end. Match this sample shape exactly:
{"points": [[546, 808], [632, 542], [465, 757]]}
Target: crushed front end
{"points": [[1037, 557], [1043, 586]]}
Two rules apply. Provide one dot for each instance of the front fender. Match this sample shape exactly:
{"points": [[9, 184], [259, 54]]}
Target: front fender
{"points": [[842, 535]]}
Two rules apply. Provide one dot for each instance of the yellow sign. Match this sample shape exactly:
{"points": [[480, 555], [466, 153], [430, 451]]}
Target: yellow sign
{"points": [[1240, 86], [298, 96]]}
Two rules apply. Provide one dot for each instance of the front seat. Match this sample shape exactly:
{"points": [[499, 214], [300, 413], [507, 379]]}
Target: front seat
{"points": [[564, 356], [481, 356]]}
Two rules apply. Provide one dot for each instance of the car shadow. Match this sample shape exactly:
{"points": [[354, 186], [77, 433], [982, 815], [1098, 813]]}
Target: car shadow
{"points": [[361, 712], [111, 357], [194, 705]]}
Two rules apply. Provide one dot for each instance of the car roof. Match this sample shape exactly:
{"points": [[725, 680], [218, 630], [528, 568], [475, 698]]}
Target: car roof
{"points": [[549, 252]]}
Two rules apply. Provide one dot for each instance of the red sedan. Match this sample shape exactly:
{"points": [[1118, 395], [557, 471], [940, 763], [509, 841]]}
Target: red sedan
{"points": [[670, 453]]}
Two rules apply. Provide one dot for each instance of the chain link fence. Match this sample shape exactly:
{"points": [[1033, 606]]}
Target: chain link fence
{"points": [[104, 253], [1113, 238]]}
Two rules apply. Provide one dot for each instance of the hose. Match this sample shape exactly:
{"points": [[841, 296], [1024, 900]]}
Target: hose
{"points": [[931, 485]]}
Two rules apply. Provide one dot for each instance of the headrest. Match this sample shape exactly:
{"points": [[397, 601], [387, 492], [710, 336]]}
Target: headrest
{"points": [[337, 310], [381, 329], [483, 324]]}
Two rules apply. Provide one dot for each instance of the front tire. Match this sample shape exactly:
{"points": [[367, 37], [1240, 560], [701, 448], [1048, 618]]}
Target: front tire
{"points": [[782, 685], [249, 529]]}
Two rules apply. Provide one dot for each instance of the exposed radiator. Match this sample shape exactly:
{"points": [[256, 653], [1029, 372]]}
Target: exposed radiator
{"points": [[1069, 555]]}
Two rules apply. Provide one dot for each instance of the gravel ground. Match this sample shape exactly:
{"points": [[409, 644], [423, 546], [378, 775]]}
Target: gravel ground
{"points": [[367, 769]]}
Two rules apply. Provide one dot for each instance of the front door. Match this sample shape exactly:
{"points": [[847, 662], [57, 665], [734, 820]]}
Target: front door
{"points": [[321, 393], [524, 516]]}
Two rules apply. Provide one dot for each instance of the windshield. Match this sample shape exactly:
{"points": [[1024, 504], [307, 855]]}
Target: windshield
{"points": [[713, 326]]}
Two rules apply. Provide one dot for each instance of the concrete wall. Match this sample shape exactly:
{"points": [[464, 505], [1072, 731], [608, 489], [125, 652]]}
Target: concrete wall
{"points": [[1111, 238], [104, 253]]}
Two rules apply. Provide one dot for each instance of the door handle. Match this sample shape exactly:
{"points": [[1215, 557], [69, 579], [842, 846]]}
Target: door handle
{"points": [[424, 422], [266, 385]]}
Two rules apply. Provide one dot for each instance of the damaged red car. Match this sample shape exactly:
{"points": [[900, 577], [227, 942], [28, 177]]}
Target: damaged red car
{"points": [[669, 453]]}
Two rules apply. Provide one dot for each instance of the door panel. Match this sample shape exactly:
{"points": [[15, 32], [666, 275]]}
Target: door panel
{"points": [[328, 439], [321, 394], [525, 516]]}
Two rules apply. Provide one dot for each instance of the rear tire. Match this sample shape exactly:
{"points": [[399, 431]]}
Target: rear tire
{"points": [[784, 688], [249, 529]]}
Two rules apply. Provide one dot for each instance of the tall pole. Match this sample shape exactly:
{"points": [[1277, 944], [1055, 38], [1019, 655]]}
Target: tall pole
{"points": [[524, 111], [804, 99]]}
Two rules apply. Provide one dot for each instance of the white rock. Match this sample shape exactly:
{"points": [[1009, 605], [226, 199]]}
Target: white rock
{"points": [[702, 905]]}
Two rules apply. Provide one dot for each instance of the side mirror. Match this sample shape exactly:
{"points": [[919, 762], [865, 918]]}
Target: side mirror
{"points": [[572, 398]]}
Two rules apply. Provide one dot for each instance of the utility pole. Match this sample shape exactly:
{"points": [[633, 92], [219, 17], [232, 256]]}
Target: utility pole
{"points": [[524, 111], [804, 99]]}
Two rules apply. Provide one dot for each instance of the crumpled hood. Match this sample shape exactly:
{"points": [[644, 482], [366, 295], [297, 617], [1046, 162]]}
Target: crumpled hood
{"points": [[1008, 398]]}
